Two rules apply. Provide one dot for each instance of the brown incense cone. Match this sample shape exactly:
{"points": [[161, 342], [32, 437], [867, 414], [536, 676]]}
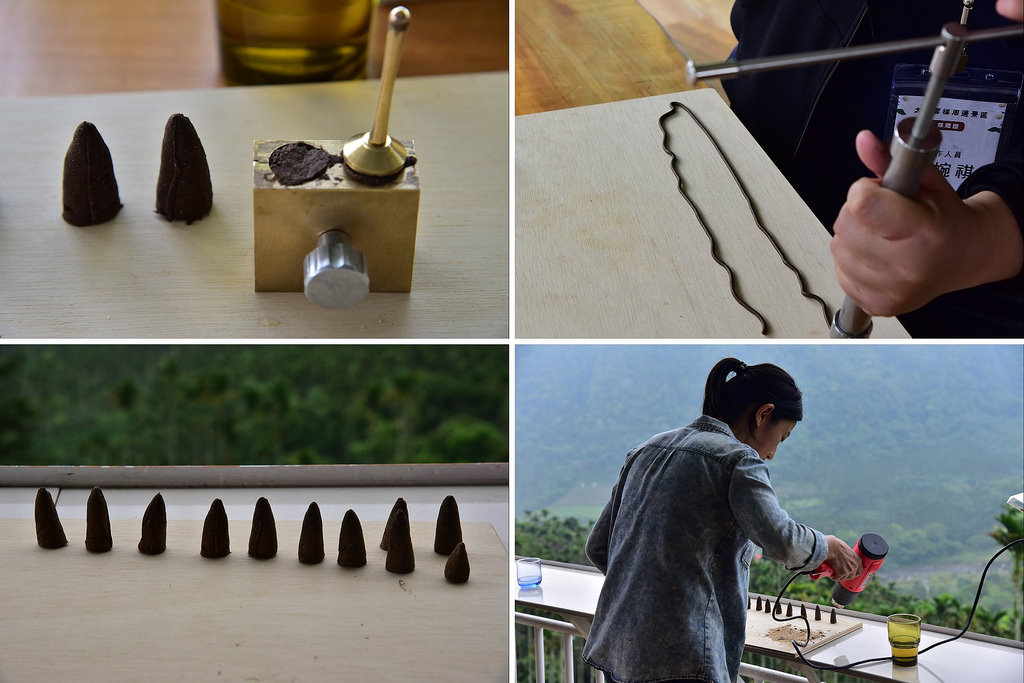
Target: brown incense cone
{"points": [[97, 523], [789, 610], [448, 530], [400, 558], [311, 539], [215, 532], [154, 527], [832, 617], [263, 537], [184, 191], [351, 546], [760, 606], [400, 504], [817, 613], [89, 187], [49, 532], [803, 611], [768, 606], [456, 569], [778, 607]]}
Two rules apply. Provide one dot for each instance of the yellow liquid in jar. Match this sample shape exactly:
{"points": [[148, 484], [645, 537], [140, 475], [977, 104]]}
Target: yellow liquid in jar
{"points": [[904, 651], [277, 41]]}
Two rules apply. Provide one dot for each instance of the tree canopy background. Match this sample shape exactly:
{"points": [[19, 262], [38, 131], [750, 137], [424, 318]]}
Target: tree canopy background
{"points": [[252, 404]]}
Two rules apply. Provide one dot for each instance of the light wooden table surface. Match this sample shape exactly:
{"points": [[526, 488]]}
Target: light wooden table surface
{"points": [[56, 47], [141, 276], [607, 248], [123, 616]]}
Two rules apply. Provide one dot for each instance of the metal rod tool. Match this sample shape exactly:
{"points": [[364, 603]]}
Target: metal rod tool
{"points": [[733, 68], [916, 140], [376, 154]]}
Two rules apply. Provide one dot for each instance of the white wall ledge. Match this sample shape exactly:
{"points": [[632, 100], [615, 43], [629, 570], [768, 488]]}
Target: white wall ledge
{"points": [[214, 476]]}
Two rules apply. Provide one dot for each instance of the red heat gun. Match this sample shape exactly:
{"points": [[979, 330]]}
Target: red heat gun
{"points": [[871, 548]]}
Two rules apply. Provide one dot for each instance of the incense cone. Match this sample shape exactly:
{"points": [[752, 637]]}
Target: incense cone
{"points": [[263, 537], [456, 569], [748, 602], [789, 610], [97, 523], [768, 606], [803, 611], [49, 532], [154, 527], [400, 558], [400, 504], [760, 606], [215, 532], [448, 530], [351, 546], [778, 607], [89, 187], [832, 617], [184, 191], [311, 539], [817, 613]]}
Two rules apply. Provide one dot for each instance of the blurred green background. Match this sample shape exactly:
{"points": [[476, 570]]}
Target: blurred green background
{"points": [[252, 404]]}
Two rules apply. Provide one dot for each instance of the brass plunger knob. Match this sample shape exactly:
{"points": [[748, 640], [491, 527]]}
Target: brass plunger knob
{"points": [[334, 273], [375, 153]]}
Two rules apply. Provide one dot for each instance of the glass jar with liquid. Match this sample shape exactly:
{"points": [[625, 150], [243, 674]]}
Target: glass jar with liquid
{"points": [[293, 41]]}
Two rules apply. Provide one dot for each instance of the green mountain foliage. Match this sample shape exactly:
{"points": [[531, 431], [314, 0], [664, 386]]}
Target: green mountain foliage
{"points": [[252, 404], [918, 444]]}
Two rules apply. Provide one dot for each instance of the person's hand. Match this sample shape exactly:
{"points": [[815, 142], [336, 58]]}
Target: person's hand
{"points": [[1011, 9], [894, 254], [842, 559]]}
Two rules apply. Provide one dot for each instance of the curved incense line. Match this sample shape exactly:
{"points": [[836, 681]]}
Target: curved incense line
{"points": [[804, 290], [700, 219]]}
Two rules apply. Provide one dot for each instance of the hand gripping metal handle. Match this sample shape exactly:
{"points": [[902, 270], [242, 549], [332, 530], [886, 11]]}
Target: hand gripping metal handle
{"points": [[913, 149]]}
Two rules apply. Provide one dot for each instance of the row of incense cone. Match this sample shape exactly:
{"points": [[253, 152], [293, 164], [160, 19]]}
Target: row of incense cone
{"points": [[184, 190], [396, 540], [766, 607]]}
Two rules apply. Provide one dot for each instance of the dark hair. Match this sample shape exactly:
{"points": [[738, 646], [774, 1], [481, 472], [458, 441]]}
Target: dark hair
{"points": [[726, 398]]}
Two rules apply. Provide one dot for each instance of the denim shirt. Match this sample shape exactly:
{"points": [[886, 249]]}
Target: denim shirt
{"points": [[674, 543]]}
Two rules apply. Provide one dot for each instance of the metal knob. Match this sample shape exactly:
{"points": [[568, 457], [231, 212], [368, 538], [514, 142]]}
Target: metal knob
{"points": [[334, 273], [376, 154]]}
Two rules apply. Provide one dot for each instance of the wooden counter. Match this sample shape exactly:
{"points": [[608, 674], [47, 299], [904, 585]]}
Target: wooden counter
{"points": [[123, 616], [140, 276], [606, 247]]}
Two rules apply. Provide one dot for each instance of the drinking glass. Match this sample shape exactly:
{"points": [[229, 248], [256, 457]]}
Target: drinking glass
{"points": [[293, 41], [904, 637], [528, 572]]}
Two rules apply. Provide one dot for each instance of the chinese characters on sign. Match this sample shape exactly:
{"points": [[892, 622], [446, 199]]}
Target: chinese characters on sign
{"points": [[970, 133]]}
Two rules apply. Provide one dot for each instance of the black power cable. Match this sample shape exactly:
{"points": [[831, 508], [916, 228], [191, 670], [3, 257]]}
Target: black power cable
{"points": [[970, 619]]}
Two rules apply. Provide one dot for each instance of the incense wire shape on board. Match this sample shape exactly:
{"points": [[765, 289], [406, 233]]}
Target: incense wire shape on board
{"points": [[665, 142]]}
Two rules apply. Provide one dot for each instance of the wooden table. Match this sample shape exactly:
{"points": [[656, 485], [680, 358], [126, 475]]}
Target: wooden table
{"points": [[607, 248], [571, 53], [123, 616], [55, 47], [141, 276]]}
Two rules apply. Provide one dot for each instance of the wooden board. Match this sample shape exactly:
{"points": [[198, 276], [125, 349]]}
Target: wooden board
{"points": [[606, 247], [140, 276], [123, 616], [767, 636]]}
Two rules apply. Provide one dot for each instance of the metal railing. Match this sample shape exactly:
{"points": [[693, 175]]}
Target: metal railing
{"points": [[756, 674]]}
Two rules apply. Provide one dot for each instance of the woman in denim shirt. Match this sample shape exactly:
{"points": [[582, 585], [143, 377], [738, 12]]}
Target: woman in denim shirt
{"points": [[674, 540]]}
